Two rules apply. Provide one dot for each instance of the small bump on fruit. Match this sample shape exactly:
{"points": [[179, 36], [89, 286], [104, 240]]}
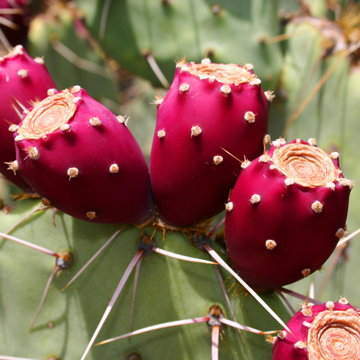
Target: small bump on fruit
{"points": [[334, 155], [306, 272], [300, 345], [75, 89], [33, 153], [23, 73], [255, 199], [225, 89], [114, 168], [306, 311], [270, 244], [184, 87], [289, 182], [206, 61], [195, 131], [39, 60], [330, 305], [13, 128], [245, 164], [255, 81], [218, 159], [317, 206], [264, 158], [248, 66], [312, 141], [13, 165], [249, 117], [343, 301], [95, 121], [73, 172], [91, 215], [340, 233], [65, 127], [270, 95], [229, 206]]}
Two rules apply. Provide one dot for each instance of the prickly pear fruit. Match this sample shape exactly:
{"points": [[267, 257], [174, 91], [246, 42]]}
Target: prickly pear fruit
{"points": [[208, 109], [322, 332], [24, 79], [80, 156], [286, 214]]}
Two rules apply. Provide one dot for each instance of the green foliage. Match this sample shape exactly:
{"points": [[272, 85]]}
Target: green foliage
{"points": [[332, 117], [168, 290], [70, 57], [226, 31]]}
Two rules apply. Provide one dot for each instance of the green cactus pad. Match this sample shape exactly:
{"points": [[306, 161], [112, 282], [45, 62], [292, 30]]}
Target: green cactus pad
{"points": [[332, 117], [70, 58], [168, 290], [227, 32]]}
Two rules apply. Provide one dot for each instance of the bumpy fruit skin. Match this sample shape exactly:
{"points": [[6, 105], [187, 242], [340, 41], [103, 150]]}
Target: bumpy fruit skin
{"points": [[278, 231], [88, 164], [26, 80], [199, 118], [321, 332]]}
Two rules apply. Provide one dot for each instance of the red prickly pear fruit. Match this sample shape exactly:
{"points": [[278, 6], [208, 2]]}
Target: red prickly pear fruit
{"points": [[209, 108], [26, 80], [83, 159], [321, 332], [286, 214]]}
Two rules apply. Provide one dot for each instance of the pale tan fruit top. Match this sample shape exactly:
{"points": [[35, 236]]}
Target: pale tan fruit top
{"points": [[335, 335], [226, 74], [306, 165], [48, 115]]}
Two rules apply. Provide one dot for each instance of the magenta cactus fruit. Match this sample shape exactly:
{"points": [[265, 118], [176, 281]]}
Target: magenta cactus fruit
{"points": [[286, 214], [321, 332], [24, 80], [212, 111], [80, 156]]}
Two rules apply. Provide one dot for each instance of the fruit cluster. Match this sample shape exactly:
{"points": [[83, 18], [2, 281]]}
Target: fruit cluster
{"points": [[288, 201]]}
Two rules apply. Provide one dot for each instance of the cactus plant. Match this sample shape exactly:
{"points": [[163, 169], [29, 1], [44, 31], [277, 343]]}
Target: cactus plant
{"points": [[168, 290], [60, 36], [167, 30], [319, 89]]}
